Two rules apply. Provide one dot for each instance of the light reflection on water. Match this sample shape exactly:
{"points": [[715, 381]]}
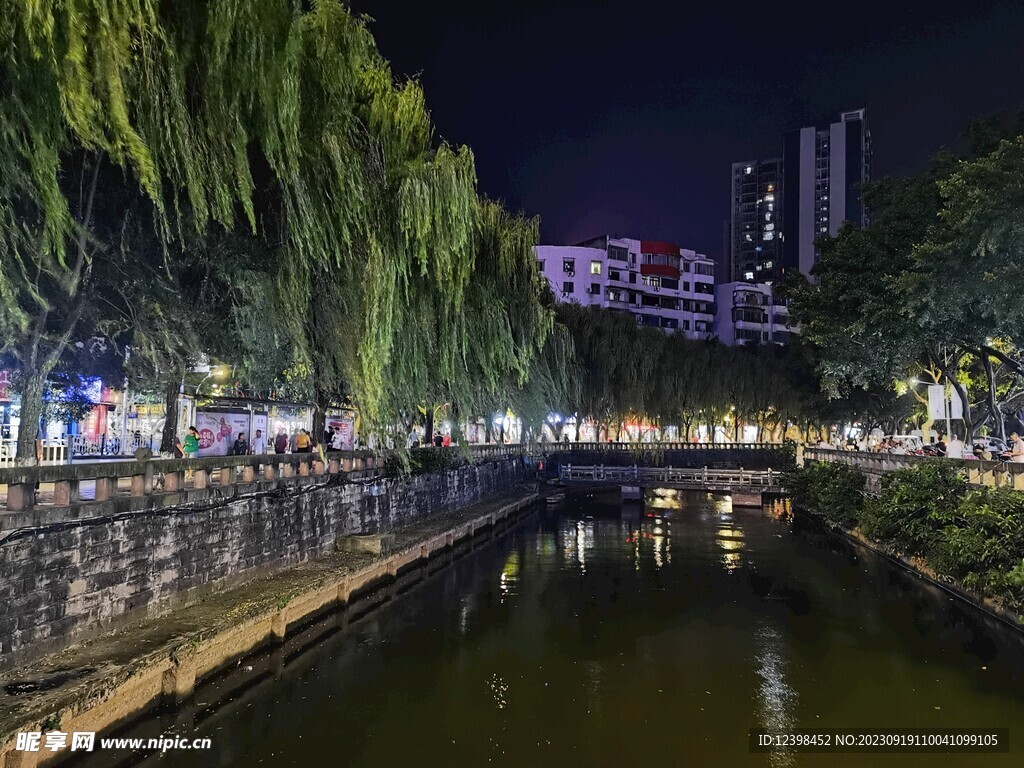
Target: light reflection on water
{"points": [[776, 700]]}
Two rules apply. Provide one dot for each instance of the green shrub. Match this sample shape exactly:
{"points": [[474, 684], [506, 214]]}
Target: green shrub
{"points": [[982, 546], [914, 506], [832, 491], [421, 461]]}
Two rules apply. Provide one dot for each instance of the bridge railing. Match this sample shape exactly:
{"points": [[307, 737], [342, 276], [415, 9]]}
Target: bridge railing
{"points": [[705, 477], [994, 474], [155, 481], [663, 446]]}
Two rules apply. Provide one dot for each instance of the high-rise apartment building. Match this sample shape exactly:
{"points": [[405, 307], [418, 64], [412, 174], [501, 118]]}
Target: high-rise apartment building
{"points": [[823, 169], [660, 284], [755, 232]]}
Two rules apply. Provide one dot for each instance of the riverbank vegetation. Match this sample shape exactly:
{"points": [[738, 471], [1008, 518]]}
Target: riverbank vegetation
{"points": [[973, 537]]}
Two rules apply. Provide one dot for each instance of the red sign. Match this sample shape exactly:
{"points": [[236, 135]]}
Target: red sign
{"points": [[206, 439]]}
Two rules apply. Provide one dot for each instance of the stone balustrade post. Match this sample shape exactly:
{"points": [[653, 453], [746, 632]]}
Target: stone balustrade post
{"points": [[174, 481], [303, 468], [269, 471], [65, 492], [106, 488], [201, 479], [21, 496], [1017, 480], [138, 487], [333, 466], [248, 473], [227, 475]]}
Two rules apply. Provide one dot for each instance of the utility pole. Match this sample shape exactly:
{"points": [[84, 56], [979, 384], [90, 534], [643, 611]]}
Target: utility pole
{"points": [[124, 404]]}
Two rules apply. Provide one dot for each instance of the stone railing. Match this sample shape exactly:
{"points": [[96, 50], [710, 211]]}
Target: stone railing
{"points": [[122, 486], [991, 473]]}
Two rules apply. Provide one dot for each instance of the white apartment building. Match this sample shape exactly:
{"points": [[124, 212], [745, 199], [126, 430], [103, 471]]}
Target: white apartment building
{"points": [[749, 313], [660, 284]]}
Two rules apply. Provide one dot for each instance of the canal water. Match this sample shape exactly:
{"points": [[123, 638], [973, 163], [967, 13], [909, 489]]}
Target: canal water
{"points": [[609, 635]]}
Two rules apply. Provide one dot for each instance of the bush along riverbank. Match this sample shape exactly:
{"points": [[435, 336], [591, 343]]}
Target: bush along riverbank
{"points": [[969, 538]]}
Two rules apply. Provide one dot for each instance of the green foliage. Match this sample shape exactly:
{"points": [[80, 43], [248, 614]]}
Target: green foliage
{"points": [[626, 371], [828, 489], [914, 505], [422, 461], [983, 545], [974, 536]]}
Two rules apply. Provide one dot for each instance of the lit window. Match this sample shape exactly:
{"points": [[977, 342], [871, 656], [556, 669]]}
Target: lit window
{"points": [[769, 236], [748, 275], [595, 267], [769, 227], [748, 170]]}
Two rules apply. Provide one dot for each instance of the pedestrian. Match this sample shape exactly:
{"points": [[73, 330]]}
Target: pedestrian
{"points": [[240, 446], [438, 440], [1016, 454], [258, 445], [303, 443], [281, 442], [955, 448], [191, 445], [414, 438]]}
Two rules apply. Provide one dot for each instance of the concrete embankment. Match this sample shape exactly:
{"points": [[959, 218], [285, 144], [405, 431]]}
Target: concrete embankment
{"points": [[87, 571], [109, 680]]}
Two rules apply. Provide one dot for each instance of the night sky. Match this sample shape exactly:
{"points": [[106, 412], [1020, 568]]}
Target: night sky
{"points": [[624, 117]]}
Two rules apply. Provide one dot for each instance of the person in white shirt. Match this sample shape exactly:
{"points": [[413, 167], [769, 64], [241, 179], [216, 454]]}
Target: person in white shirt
{"points": [[954, 448], [336, 439], [1016, 454], [258, 444]]}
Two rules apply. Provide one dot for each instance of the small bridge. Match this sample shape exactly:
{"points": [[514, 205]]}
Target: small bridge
{"points": [[744, 485]]}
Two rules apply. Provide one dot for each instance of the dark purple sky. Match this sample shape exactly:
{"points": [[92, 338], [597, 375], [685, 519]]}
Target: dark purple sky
{"points": [[625, 116]]}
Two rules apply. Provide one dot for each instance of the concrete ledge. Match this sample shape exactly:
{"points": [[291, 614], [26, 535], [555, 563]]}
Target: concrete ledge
{"points": [[115, 678]]}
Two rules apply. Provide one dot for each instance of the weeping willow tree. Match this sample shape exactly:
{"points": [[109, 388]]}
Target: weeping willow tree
{"points": [[280, 119]]}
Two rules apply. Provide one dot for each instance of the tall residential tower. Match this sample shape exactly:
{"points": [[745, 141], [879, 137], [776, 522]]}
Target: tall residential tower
{"points": [[755, 232], [824, 167]]}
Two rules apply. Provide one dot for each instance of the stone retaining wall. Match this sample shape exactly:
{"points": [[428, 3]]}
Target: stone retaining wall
{"points": [[68, 582]]}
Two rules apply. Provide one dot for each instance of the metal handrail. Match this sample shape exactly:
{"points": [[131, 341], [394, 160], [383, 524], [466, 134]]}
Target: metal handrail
{"points": [[703, 476]]}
